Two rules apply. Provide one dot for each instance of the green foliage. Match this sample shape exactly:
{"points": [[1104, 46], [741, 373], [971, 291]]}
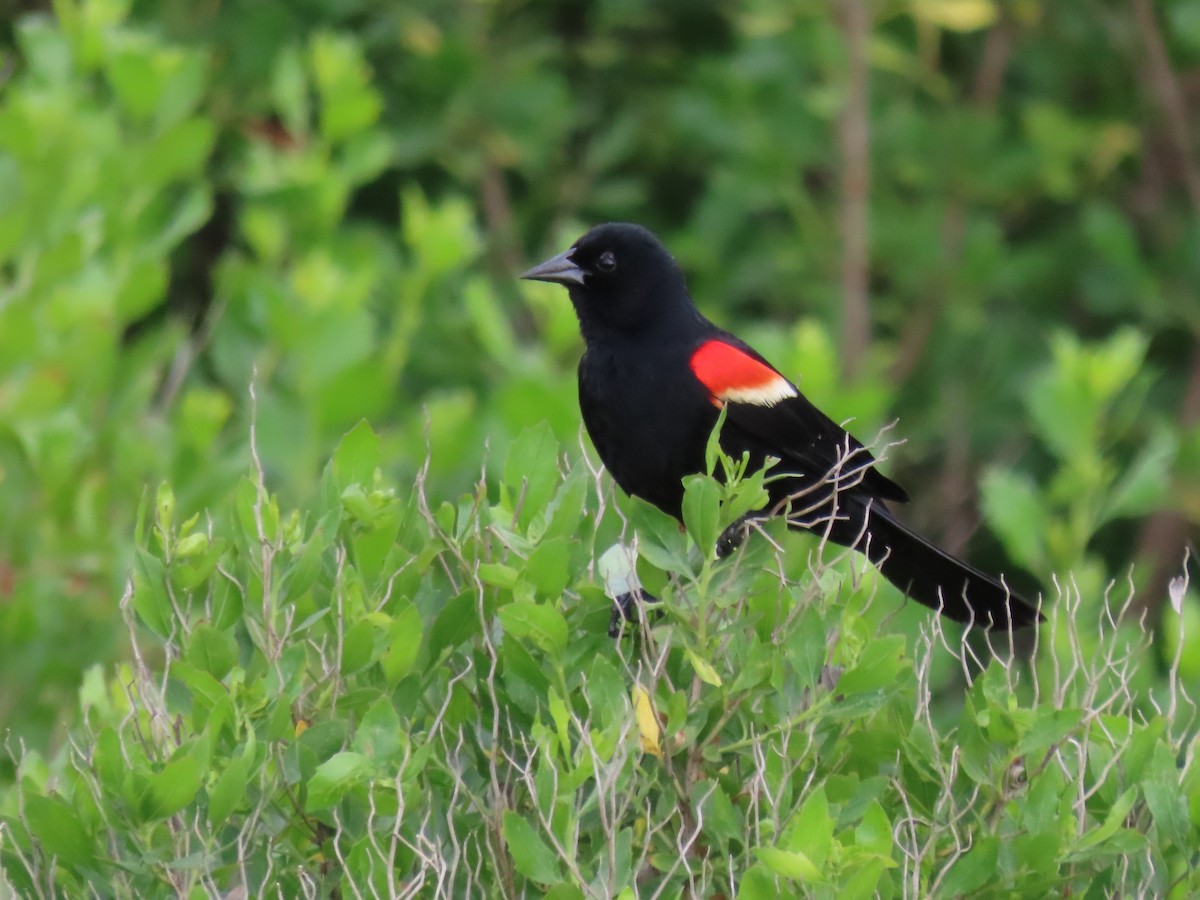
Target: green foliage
{"points": [[1081, 406], [213, 215], [372, 693], [333, 318], [85, 248]]}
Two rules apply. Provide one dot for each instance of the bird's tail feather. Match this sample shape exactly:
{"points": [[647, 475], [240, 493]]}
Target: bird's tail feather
{"points": [[936, 579]]}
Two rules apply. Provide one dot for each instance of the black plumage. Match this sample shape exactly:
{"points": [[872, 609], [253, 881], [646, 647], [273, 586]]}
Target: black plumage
{"points": [[653, 379]]}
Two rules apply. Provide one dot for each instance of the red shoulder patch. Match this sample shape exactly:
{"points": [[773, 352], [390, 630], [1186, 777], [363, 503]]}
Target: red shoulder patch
{"points": [[734, 376]]}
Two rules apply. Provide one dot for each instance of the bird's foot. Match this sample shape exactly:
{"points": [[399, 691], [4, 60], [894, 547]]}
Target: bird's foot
{"points": [[628, 610]]}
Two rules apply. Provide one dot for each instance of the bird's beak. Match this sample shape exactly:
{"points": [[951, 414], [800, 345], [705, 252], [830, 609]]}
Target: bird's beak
{"points": [[559, 270]]}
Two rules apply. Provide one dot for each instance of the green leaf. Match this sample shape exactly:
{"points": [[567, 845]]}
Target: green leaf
{"points": [[179, 151], [791, 864], [498, 574], [229, 791], [321, 741], [1143, 484], [660, 541], [108, 761], [1016, 511], [712, 448], [56, 826], [811, 829], [1068, 400], [874, 833], [1166, 799], [1064, 411], [536, 622], [490, 323], [442, 236], [379, 734], [721, 818], [457, 622], [566, 508], [403, 643], [206, 691], [134, 77], [365, 155], [1040, 811], [565, 891], [357, 457], [749, 494], [165, 507], [547, 568], [532, 857], [1142, 745], [150, 597], [289, 90], [247, 504], [702, 511], [863, 881], [1111, 365], [172, 788], [1112, 822], [362, 644], [348, 102], [877, 669], [531, 470], [704, 669], [211, 650], [192, 545], [758, 667], [375, 546], [334, 777], [1049, 727], [972, 870], [758, 884]]}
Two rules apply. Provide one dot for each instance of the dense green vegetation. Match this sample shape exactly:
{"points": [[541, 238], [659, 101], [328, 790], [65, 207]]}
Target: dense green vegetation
{"points": [[231, 657]]}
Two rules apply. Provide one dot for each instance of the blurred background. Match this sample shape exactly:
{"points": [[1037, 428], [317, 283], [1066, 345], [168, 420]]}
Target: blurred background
{"points": [[978, 217]]}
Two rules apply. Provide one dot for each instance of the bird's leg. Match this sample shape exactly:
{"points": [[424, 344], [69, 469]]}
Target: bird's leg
{"points": [[628, 608], [618, 568]]}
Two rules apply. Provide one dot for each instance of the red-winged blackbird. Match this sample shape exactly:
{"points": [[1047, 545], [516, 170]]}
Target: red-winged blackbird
{"points": [[652, 382]]}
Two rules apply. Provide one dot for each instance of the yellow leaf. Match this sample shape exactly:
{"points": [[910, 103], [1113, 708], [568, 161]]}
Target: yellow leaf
{"points": [[1112, 144], [647, 722], [956, 15]]}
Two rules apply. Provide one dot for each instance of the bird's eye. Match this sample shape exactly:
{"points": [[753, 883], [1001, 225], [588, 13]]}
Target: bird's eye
{"points": [[607, 261]]}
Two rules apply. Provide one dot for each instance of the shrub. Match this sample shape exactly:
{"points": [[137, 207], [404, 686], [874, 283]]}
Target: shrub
{"points": [[378, 695]]}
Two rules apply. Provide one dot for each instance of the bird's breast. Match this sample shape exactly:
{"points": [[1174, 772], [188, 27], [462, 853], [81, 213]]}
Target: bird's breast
{"points": [[648, 418]]}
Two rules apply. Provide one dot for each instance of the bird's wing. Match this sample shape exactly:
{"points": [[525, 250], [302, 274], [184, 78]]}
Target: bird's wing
{"points": [[780, 420]]}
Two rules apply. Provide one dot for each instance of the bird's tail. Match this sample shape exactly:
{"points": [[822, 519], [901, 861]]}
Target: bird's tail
{"points": [[936, 579]]}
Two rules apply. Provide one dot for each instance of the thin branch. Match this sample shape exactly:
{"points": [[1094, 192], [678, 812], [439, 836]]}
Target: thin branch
{"points": [[855, 143], [1168, 95], [1164, 534]]}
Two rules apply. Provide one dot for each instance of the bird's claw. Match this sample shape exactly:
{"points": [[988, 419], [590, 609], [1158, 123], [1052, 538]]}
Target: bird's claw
{"points": [[627, 609]]}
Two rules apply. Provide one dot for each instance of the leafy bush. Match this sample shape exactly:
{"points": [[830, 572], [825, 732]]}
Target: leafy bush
{"points": [[330, 681], [341, 319], [380, 695]]}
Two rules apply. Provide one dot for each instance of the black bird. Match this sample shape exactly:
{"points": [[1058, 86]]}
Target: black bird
{"points": [[652, 382]]}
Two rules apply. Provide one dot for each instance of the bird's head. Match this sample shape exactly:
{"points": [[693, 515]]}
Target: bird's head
{"points": [[620, 278]]}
